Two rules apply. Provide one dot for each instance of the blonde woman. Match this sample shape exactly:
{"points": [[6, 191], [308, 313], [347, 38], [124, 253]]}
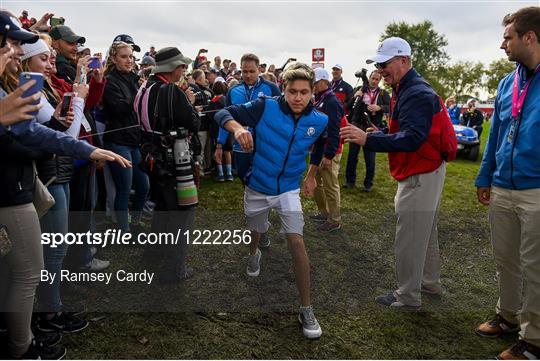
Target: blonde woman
{"points": [[124, 135]]}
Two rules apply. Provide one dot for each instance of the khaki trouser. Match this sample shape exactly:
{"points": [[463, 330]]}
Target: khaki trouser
{"points": [[416, 244], [327, 194], [514, 218]]}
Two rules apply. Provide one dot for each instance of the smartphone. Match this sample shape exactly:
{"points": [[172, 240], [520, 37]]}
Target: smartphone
{"points": [[37, 87], [94, 63], [57, 21], [66, 105]]}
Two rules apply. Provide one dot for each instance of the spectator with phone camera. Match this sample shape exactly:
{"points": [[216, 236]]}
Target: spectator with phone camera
{"points": [[65, 42], [17, 212], [55, 172]]}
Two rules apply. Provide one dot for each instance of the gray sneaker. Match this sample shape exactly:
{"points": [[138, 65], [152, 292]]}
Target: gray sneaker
{"points": [[264, 241], [310, 326], [253, 267], [95, 265]]}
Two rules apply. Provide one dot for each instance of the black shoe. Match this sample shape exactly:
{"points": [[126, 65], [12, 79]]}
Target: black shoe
{"points": [[349, 185], [47, 339], [37, 351], [368, 189], [62, 322]]}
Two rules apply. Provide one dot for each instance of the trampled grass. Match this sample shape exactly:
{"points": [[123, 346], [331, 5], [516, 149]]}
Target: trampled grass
{"points": [[256, 318]]}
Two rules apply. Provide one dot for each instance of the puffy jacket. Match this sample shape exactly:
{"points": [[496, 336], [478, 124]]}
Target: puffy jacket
{"points": [[281, 143], [411, 142], [118, 99], [515, 163], [240, 94]]}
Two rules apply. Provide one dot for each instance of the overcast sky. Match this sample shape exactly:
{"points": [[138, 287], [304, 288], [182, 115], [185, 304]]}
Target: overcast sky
{"points": [[277, 30]]}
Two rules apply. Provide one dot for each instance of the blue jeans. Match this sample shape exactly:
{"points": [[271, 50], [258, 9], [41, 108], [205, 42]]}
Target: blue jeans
{"points": [[124, 179], [352, 161], [54, 221]]}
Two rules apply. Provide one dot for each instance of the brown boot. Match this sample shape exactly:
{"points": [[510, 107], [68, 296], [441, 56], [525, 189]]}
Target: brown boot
{"points": [[520, 351], [496, 327]]}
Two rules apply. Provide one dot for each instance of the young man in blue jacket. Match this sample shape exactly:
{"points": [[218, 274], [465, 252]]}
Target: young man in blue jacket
{"points": [[509, 183], [285, 129], [251, 87]]}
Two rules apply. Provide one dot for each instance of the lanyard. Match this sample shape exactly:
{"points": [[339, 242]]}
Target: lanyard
{"points": [[518, 98], [372, 95], [249, 92], [322, 97], [336, 84]]}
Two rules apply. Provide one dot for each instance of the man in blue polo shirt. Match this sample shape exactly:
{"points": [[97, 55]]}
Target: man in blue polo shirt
{"points": [[251, 87]]}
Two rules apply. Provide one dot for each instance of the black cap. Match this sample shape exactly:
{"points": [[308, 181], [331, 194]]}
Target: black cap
{"points": [[15, 32], [127, 39], [63, 32]]}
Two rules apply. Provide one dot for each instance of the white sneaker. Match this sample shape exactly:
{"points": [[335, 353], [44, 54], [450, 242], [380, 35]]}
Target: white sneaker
{"points": [[254, 267], [310, 326], [95, 265]]}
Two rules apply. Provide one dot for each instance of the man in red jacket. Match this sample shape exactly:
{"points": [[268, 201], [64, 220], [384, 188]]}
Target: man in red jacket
{"points": [[416, 162]]}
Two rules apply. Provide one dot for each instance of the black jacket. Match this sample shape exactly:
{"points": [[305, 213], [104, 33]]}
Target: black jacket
{"points": [[65, 70], [203, 96], [473, 119], [118, 100], [59, 166], [183, 113], [359, 115], [17, 180]]}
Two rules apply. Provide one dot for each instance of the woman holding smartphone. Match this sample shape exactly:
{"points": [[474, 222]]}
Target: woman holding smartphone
{"points": [[17, 212], [56, 173], [124, 135]]}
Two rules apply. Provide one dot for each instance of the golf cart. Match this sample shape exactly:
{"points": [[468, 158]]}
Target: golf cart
{"points": [[468, 142]]}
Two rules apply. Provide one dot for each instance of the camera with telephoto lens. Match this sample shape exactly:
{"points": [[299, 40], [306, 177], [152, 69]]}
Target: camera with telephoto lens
{"points": [[362, 74], [358, 114], [186, 190]]}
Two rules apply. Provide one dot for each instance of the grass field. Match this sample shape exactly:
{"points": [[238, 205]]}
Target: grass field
{"points": [[233, 317]]}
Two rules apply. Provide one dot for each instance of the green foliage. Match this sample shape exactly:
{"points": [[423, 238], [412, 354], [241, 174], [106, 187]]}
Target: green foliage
{"points": [[497, 70], [463, 77]]}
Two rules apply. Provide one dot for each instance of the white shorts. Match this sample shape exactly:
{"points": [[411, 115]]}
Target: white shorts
{"points": [[257, 206]]}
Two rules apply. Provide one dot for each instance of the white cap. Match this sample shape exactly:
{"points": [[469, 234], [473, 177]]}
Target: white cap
{"points": [[471, 101], [220, 79], [30, 50], [338, 66], [390, 48], [321, 74]]}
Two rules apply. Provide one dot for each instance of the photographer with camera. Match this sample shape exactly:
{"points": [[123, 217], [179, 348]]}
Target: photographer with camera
{"points": [[168, 119], [368, 106]]}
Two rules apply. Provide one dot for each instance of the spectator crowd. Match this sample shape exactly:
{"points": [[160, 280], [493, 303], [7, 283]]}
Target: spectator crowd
{"points": [[133, 137]]}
